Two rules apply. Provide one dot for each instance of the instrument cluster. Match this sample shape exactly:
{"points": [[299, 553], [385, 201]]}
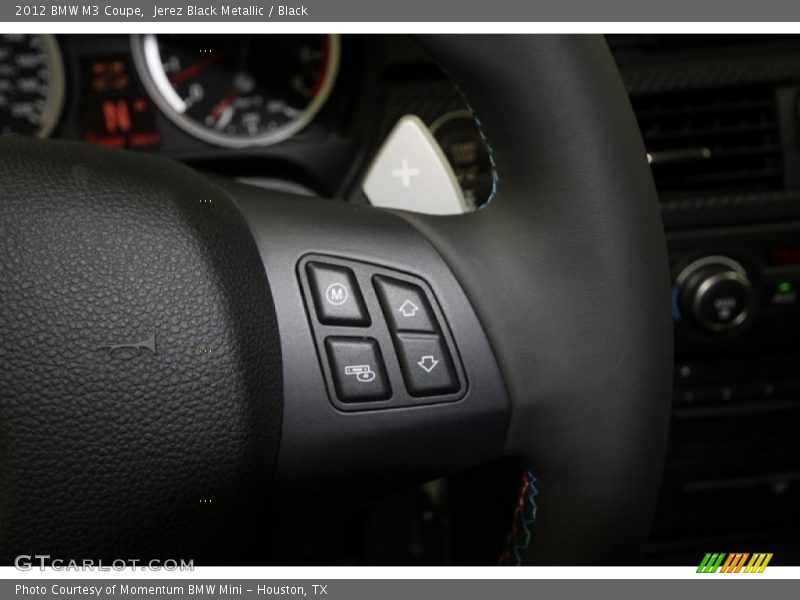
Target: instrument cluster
{"points": [[227, 91], [300, 113]]}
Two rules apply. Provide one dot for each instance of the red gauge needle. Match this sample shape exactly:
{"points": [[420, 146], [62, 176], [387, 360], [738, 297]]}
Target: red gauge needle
{"points": [[220, 106], [322, 70], [196, 68]]}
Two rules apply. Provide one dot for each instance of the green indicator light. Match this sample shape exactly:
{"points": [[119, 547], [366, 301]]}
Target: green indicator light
{"points": [[784, 287]]}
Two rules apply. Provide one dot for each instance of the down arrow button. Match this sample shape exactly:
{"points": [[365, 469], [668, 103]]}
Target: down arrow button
{"points": [[426, 365]]}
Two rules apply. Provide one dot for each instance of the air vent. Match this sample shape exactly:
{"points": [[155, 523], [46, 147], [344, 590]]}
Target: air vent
{"points": [[712, 141]]}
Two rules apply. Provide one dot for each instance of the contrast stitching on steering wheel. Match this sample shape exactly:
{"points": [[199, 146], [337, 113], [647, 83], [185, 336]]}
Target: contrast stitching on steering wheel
{"points": [[489, 149], [519, 537]]}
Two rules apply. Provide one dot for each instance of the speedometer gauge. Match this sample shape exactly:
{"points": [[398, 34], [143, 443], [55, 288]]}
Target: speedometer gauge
{"points": [[238, 90], [31, 84]]}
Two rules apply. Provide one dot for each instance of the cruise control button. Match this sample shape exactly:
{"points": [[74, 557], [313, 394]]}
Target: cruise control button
{"points": [[404, 305], [336, 295], [426, 365], [357, 368]]}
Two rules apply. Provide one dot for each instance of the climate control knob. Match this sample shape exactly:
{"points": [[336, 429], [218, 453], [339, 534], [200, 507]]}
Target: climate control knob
{"points": [[715, 294]]}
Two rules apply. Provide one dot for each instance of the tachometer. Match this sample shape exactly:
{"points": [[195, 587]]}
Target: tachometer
{"points": [[31, 84], [238, 90]]}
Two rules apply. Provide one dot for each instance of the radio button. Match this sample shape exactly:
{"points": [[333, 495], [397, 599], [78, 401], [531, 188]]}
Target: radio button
{"points": [[715, 294], [783, 293], [723, 301]]}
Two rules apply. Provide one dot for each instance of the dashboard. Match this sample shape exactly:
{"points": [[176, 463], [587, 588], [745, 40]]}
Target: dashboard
{"points": [[720, 121], [720, 118]]}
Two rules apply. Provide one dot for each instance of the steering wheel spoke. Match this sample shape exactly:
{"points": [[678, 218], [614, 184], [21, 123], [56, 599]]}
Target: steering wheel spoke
{"points": [[425, 400]]}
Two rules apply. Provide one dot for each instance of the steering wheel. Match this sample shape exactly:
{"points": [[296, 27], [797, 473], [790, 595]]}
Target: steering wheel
{"points": [[175, 366]]}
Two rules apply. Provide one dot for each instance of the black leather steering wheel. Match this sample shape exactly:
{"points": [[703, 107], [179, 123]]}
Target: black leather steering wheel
{"points": [[164, 383]]}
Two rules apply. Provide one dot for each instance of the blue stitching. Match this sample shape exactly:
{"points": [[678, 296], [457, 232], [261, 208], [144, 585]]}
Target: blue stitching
{"points": [[479, 125], [526, 524], [495, 176]]}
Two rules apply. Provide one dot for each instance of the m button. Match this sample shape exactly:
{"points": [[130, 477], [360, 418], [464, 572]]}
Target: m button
{"points": [[336, 295]]}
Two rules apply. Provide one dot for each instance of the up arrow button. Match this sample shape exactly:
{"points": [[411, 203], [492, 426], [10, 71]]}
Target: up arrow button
{"points": [[405, 306], [408, 309]]}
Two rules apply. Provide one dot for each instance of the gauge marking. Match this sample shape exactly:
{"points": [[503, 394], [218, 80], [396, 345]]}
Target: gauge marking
{"points": [[31, 84], [238, 91], [163, 89]]}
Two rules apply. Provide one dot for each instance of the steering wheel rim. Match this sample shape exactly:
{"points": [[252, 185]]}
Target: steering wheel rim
{"points": [[576, 217], [568, 364]]}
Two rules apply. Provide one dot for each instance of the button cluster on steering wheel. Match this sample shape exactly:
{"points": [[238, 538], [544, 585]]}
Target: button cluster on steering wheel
{"points": [[381, 336]]}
